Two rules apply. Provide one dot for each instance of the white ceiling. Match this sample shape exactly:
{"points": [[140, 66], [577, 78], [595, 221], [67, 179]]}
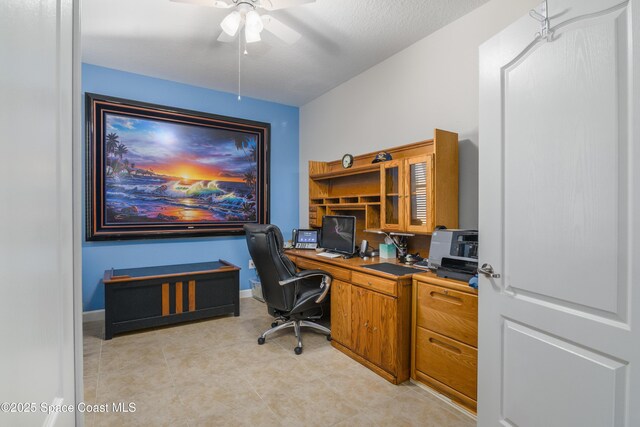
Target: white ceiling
{"points": [[340, 39]]}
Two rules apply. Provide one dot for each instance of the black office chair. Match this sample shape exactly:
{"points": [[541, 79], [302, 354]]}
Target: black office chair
{"points": [[292, 298]]}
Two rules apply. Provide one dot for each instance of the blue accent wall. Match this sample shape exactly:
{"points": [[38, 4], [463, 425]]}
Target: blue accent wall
{"points": [[284, 119]]}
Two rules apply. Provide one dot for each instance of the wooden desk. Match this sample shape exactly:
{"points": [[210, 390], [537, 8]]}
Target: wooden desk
{"points": [[137, 298], [370, 312]]}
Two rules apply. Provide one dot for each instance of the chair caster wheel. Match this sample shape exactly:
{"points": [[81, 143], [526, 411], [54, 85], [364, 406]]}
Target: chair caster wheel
{"points": [[297, 350], [274, 324], [260, 341], [329, 338]]}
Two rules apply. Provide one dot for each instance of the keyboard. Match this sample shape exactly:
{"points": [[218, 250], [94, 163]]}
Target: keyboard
{"points": [[306, 245], [329, 255]]}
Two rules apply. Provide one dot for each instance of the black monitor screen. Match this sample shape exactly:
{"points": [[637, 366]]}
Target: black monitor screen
{"points": [[339, 233]]}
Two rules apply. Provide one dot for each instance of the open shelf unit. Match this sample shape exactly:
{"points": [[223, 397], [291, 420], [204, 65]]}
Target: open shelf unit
{"points": [[344, 192], [364, 189]]}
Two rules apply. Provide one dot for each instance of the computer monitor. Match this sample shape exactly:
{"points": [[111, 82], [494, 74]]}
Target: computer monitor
{"points": [[339, 234]]}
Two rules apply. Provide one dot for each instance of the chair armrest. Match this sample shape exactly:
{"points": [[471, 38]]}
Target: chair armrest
{"points": [[325, 284]]}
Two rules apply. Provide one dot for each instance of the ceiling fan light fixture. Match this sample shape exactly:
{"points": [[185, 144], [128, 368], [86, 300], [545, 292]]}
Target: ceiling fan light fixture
{"points": [[254, 22], [251, 36], [231, 23]]}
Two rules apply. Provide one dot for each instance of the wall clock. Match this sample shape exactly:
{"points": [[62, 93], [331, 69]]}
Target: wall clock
{"points": [[347, 161]]}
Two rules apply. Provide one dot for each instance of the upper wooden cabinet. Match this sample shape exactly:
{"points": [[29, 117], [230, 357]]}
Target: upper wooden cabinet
{"points": [[406, 194], [414, 192]]}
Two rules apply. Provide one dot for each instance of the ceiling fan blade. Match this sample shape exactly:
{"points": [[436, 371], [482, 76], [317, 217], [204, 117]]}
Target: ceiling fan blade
{"points": [[226, 38], [282, 4], [278, 29], [222, 4]]}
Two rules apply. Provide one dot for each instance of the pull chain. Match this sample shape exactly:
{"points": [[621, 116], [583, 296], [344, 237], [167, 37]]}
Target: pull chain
{"points": [[239, 69]]}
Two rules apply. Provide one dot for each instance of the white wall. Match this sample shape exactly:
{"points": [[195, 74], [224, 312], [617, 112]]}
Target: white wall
{"points": [[433, 83]]}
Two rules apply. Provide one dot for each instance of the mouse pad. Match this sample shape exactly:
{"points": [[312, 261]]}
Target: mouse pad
{"points": [[396, 270]]}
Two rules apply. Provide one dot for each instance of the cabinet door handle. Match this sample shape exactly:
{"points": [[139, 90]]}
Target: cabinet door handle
{"points": [[445, 346], [445, 297]]}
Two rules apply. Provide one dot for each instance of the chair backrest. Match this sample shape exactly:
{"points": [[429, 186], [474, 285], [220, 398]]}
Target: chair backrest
{"points": [[265, 247]]}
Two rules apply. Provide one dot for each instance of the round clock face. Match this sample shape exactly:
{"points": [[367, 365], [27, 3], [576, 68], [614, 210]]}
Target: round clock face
{"points": [[347, 161]]}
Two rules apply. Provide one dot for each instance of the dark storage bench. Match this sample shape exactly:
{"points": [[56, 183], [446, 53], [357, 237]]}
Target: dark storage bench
{"points": [[137, 298]]}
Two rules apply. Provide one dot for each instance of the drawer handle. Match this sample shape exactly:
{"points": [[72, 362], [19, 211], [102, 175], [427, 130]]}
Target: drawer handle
{"points": [[445, 346], [446, 298]]}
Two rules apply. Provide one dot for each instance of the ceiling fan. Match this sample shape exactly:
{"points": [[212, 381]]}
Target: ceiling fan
{"points": [[245, 15]]}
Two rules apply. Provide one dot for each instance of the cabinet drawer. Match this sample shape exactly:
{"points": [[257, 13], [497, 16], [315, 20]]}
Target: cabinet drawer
{"points": [[376, 283], [448, 361], [448, 312], [336, 272]]}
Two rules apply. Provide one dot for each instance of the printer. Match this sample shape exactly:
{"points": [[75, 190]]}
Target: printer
{"points": [[454, 253]]}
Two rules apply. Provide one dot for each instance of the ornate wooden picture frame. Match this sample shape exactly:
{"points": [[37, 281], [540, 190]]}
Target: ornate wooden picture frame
{"points": [[158, 172]]}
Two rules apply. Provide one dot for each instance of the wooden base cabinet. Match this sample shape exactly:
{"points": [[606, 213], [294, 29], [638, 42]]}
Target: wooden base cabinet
{"points": [[444, 352], [372, 327], [370, 313], [373, 324]]}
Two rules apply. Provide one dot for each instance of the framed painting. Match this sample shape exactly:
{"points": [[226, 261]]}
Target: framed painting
{"points": [[155, 171]]}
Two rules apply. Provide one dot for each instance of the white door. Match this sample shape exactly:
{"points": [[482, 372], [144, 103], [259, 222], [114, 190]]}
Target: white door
{"points": [[36, 264], [559, 341]]}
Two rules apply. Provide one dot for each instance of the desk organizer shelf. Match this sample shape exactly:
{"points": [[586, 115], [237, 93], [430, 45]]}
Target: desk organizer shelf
{"points": [[414, 192]]}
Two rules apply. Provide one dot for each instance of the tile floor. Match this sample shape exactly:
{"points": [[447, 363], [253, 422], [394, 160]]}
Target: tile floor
{"points": [[213, 373]]}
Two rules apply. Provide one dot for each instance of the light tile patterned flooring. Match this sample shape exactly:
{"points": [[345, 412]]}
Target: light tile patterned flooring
{"points": [[213, 373]]}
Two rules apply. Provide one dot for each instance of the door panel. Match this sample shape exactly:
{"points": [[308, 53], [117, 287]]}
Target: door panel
{"points": [[533, 361], [559, 219], [341, 312], [564, 154], [360, 310], [391, 193], [384, 333]]}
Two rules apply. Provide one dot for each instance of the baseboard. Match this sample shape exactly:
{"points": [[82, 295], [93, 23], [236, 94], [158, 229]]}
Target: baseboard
{"points": [[93, 316], [445, 399], [98, 315]]}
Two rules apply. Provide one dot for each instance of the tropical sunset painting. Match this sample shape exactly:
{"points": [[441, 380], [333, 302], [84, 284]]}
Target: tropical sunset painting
{"points": [[167, 172]]}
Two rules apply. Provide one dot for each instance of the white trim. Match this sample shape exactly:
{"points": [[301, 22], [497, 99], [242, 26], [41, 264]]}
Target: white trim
{"points": [[445, 399], [246, 293], [93, 316], [78, 209]]}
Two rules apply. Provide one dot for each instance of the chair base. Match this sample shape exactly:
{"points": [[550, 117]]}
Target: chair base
{"points": [[296, 325]]}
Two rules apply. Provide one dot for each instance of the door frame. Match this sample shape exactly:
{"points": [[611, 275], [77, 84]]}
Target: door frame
{"points": [[78, 211]]}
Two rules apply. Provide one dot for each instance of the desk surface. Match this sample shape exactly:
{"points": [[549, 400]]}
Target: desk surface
{"points": [[357, 264]]}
